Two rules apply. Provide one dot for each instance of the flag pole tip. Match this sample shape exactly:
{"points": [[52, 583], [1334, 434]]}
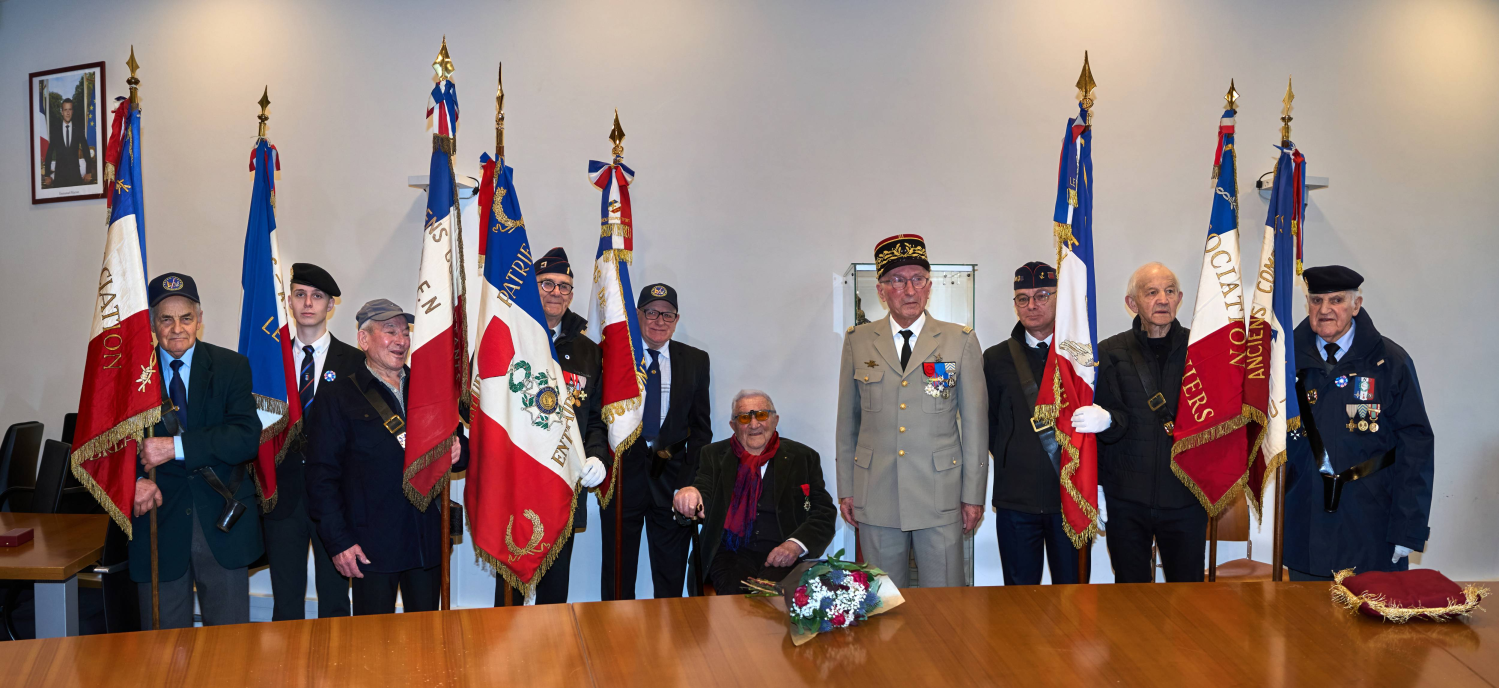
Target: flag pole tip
{"points": [[617, 137], [443, 64], [1232, 97], [1086, 84], [265, 102]]}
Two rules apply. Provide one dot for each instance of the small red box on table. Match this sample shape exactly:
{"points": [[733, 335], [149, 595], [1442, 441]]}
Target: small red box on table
{"points": [[15, 537]]}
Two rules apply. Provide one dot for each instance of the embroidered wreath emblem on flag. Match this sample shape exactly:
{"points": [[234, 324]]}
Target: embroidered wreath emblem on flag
{"points": [[538, 394]]}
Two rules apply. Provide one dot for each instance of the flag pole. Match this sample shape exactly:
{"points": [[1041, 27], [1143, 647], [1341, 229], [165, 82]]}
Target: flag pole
{"points": [[1085, 86], [1230, 103], [443, 66], [499, 168], [617, 137], [1277, 556]]}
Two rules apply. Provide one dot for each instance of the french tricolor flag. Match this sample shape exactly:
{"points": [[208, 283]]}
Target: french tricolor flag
{"points": [[527, 450]]}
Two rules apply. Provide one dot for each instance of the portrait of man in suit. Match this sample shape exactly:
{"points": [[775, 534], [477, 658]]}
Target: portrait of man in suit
{"points": [[69, 158]]}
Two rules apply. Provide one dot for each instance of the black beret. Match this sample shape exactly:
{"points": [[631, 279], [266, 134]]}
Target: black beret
{"points": [[554, 263], [315, 277], [1035, 274], [657, 292], [1328, 279], [171, 284], [898, 251]]}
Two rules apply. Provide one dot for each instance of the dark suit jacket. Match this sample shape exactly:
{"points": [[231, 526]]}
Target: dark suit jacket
{"points": [[291, 480], [222, 433], [580, 356], [1391, 507], [354, 480], [688, 417], [795, 464], [1024, 479], [1134, 454], [67, 157]]}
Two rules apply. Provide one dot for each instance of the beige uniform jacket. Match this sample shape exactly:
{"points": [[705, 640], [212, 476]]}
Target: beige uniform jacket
{"points": [[905, 456]]}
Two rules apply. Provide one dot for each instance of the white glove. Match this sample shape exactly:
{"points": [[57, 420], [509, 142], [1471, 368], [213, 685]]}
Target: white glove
{"points": [[1091, 419], [1401, 552], [1103, 510], [593, 472]]}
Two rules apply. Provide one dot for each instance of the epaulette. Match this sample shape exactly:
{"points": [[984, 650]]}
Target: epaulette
{"points": [[850, 329], [967, 329]]}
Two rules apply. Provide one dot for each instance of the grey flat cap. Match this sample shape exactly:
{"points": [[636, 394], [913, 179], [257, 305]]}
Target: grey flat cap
{"points": [[380, 310]]}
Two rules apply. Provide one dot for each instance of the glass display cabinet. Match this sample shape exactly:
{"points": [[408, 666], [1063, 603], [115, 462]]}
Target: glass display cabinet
{"points": [[951, 300]]}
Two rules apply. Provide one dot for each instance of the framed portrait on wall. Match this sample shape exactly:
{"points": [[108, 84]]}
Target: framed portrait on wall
{"points": [[67, 112]]}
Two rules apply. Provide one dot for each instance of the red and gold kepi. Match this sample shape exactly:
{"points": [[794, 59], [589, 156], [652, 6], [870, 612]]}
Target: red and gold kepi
{"points": [[898, 251]]}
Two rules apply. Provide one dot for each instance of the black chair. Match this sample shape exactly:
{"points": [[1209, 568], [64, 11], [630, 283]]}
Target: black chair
{"points": [[69, 422], [23, 441], [44, 498]]}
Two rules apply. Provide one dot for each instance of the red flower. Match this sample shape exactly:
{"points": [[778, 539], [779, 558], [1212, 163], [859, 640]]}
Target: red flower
{"points": [[861, 578], [839, 619], [800, 597], [806, 490]]}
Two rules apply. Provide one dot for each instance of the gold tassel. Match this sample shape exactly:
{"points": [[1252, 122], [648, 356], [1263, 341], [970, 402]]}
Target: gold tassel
{"points": [[133, 428], [421, 501], [1472, 595]]}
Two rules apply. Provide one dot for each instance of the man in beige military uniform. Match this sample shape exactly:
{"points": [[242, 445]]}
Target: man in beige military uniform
{"points": [[912, 427]]}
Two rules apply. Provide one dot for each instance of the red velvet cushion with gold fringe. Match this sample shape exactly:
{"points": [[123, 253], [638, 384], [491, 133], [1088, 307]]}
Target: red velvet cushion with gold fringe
{"points": [[1400, 596]]}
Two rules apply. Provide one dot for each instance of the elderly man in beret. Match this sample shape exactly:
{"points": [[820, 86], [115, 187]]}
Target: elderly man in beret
{"points": [[208, 530], [761, 497], [318, 357], [356, 459], [1359, 469], [913, 433]]}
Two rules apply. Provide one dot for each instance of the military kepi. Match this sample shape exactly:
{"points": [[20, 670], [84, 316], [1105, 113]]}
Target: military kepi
{"points": [[899, 251], [171, 284], [381, 310], [315, 277], [657, 292], [1328, 279], [554, 263], [1034, 275]]}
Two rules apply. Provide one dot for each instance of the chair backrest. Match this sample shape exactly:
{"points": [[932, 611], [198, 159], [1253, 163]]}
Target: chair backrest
{"points": [[1233, 522], [50, 479], [69, 423], [23, 441]]}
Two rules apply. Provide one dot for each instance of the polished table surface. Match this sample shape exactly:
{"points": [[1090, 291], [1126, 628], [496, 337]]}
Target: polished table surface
{"points": [[1224, 634], [61, 545]]}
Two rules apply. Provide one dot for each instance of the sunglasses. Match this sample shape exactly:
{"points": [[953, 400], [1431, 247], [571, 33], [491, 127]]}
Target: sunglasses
{"points": [[762, 416]]}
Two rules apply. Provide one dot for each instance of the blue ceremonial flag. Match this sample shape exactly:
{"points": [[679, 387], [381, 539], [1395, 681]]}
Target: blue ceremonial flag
{"points": [[264, 326]]}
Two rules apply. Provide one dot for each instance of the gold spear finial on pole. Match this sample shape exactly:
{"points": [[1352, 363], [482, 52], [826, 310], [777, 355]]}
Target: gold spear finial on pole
{"points": [[617, 135], [443, 65], [1285, 115], [1232, 97], [1085, 85], [133, 81], [499, 113], [265, 102]]}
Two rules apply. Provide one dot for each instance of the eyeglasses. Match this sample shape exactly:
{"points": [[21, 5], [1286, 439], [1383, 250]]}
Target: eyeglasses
{"points": [[1040, 298], [562, 288], [667, 317], [762, 416], [899, 283]]}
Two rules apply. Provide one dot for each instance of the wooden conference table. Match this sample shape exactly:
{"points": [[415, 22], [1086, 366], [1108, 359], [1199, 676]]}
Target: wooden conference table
{"points": [[60, 547], [1224, 634]]}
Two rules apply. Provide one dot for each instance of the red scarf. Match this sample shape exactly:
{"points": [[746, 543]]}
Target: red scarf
{"points": [[743, 506]]}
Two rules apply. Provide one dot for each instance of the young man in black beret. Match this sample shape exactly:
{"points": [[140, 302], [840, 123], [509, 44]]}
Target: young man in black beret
{"points": [[1027, 458], [319, 357], [1364, 503]]}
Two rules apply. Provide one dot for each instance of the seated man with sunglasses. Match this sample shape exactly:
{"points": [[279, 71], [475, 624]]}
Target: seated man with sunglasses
{"points": [[676, 425], [761, 497]]}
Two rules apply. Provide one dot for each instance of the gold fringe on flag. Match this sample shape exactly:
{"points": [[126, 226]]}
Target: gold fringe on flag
{"points": [[493, 565], [132, 428], [1209, 435], [1049, 412], [421, 501]]}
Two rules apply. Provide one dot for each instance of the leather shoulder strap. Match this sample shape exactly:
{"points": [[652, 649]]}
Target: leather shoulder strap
{"points": [[1023, 370], [394, 423], [1309, 423], [1165, 409]]}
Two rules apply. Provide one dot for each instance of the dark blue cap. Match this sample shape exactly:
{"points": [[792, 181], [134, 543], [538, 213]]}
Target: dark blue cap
{"points": [[1329, 279], [1035, 274], [171, 284], [657, 292], [554, 263]]}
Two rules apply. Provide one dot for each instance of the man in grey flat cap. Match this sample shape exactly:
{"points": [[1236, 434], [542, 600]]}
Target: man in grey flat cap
{"points": [[355, 461]]}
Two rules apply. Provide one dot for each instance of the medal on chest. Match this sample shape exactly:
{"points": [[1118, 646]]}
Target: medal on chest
{"points": [[941, 377]]}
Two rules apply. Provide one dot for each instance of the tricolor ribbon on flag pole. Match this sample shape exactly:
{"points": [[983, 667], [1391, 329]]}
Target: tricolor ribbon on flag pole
{"points": [[438, 385], [121, 394], [1071, 365], [1210, 447], [623, 374], [264, 326]]}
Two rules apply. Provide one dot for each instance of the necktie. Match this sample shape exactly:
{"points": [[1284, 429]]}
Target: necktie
{"points": [[651, 424], [1332, 349], [1043, 346], [177, 390], [67, 134], [905, 350], [305, 390]]}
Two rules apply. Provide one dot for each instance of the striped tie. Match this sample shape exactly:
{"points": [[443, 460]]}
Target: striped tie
{"points": [[304, 388]]}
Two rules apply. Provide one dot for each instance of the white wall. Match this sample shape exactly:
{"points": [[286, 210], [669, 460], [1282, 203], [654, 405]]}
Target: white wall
{"points": [[774, 143]]}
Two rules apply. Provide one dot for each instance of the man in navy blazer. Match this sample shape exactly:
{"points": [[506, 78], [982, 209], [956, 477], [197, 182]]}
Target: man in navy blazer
{"points": [[208, 434]]}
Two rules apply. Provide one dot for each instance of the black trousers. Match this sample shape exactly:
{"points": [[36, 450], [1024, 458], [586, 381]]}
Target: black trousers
{"points": [[1179, 534], [1024, 538], [729, 569], [286, 550], [375, 593], [668, 541], [551, 589]]}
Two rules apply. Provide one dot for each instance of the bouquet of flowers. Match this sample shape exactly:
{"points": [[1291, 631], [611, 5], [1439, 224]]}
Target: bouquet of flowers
{"points": [[824, 595]]}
